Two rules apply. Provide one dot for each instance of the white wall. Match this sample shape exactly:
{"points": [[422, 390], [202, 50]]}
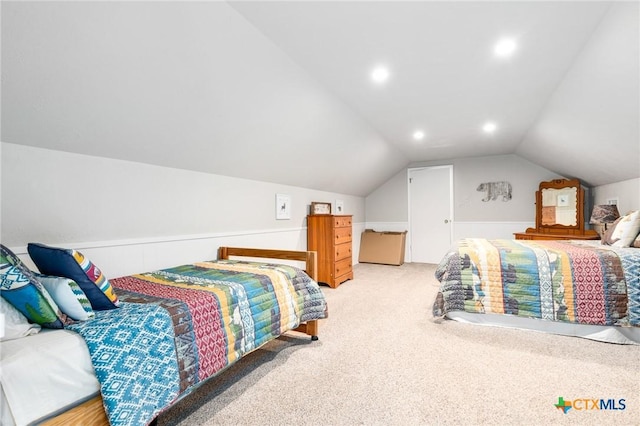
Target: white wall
{"points": [[472, 216], [190, 85], [626, 192], [135, 217], [387, 206], [389, 202], [130, 217]]}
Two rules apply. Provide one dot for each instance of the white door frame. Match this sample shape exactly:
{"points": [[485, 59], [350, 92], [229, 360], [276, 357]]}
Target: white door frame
{"points": [[409, 170]]}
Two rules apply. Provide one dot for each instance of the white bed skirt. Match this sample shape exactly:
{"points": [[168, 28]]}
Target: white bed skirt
{"points": [[43, 375], [609, 334]]}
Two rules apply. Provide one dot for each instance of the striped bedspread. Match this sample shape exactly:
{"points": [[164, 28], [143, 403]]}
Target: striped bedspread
{"points": [[570, 281], [219, 311]]}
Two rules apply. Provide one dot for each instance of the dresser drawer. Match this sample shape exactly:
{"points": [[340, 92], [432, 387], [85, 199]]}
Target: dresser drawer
{"points": [[523, 236], [341, 235], [342, 267], [342, 221], [343, 251]]}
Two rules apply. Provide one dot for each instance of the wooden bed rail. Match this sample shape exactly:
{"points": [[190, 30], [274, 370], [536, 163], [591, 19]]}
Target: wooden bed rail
{"points": [[88, 413], [309, 257]]}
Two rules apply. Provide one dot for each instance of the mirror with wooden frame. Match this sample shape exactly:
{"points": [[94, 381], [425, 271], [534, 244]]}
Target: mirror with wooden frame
{"points": [[559, 206], [559, 212]]}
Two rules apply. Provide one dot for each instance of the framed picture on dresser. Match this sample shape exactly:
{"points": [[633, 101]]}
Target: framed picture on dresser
{"points": [[320, 208]]}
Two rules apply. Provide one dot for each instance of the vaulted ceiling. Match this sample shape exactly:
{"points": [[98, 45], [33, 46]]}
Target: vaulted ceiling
{"points": [[282, 92]]}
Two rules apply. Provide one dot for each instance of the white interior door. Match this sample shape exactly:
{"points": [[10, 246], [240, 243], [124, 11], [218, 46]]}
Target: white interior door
{"points": [[430, 212]]}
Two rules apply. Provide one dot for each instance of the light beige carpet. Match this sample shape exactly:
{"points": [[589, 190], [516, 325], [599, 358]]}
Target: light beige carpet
{"points": [[383, 360]]}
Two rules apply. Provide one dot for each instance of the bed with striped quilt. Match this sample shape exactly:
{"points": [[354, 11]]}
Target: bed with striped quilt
{"points": [[578, 282], [218, 312]]}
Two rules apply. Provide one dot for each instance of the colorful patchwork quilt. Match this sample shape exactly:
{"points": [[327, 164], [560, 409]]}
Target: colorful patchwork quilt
{"points": [[570, 281], [212, 313], [134, 359]]}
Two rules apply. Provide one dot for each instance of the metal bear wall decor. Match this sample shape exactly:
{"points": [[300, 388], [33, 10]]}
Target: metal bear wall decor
{"points": [[493, 190]]}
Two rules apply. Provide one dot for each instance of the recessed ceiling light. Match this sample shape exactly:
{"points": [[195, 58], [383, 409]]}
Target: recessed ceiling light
{"points": [[505, 47], [489, 127], [380, 74], [418, 135]]}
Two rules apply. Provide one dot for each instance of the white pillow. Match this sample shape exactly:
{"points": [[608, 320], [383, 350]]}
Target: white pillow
{"points": [[626, 230], [15, 324], [68, 296]]}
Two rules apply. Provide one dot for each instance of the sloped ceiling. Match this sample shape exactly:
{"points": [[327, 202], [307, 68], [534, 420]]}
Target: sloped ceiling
{"points": [[590, 126], [280, 91]]}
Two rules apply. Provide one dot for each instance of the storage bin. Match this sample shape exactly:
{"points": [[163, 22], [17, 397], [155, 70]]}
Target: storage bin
{"points": [[382, 247]]}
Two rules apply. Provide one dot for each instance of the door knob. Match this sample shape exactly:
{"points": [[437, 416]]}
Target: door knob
{"points": [[446, 221]]}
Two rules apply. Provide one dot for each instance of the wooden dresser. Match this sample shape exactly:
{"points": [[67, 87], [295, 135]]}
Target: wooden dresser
{"points": [[531, 234], [330, 236]]}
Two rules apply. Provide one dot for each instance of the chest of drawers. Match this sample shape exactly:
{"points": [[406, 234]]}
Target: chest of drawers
{"points": [[330, 236]]}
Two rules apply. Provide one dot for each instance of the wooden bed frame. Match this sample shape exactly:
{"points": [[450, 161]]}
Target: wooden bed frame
{"points": [[92, 411]]}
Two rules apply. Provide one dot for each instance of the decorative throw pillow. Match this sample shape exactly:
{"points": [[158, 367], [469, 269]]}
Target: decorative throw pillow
{"points": [[626, 229], [73, 265], [68, 296], [16, 325], [607, 238], [20, 287]]}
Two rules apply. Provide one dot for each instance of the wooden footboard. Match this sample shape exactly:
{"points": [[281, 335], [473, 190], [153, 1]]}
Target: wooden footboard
{"points": [[311, 268], [92, 411], [309, 257]]}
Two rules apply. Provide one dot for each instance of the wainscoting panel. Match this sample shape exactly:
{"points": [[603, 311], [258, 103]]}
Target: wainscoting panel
{"points": [[126, 257], [489, 230]]}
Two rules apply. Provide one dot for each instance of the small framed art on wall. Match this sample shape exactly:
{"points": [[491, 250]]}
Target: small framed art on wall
{"points": [[283, 207]]}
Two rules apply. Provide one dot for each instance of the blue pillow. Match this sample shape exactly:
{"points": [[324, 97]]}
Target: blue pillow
{"points": [[72, 264], [20, 287]]}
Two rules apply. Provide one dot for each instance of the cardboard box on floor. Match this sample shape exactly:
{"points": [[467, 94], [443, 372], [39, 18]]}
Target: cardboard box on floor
{"points": [[382, 247]]}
